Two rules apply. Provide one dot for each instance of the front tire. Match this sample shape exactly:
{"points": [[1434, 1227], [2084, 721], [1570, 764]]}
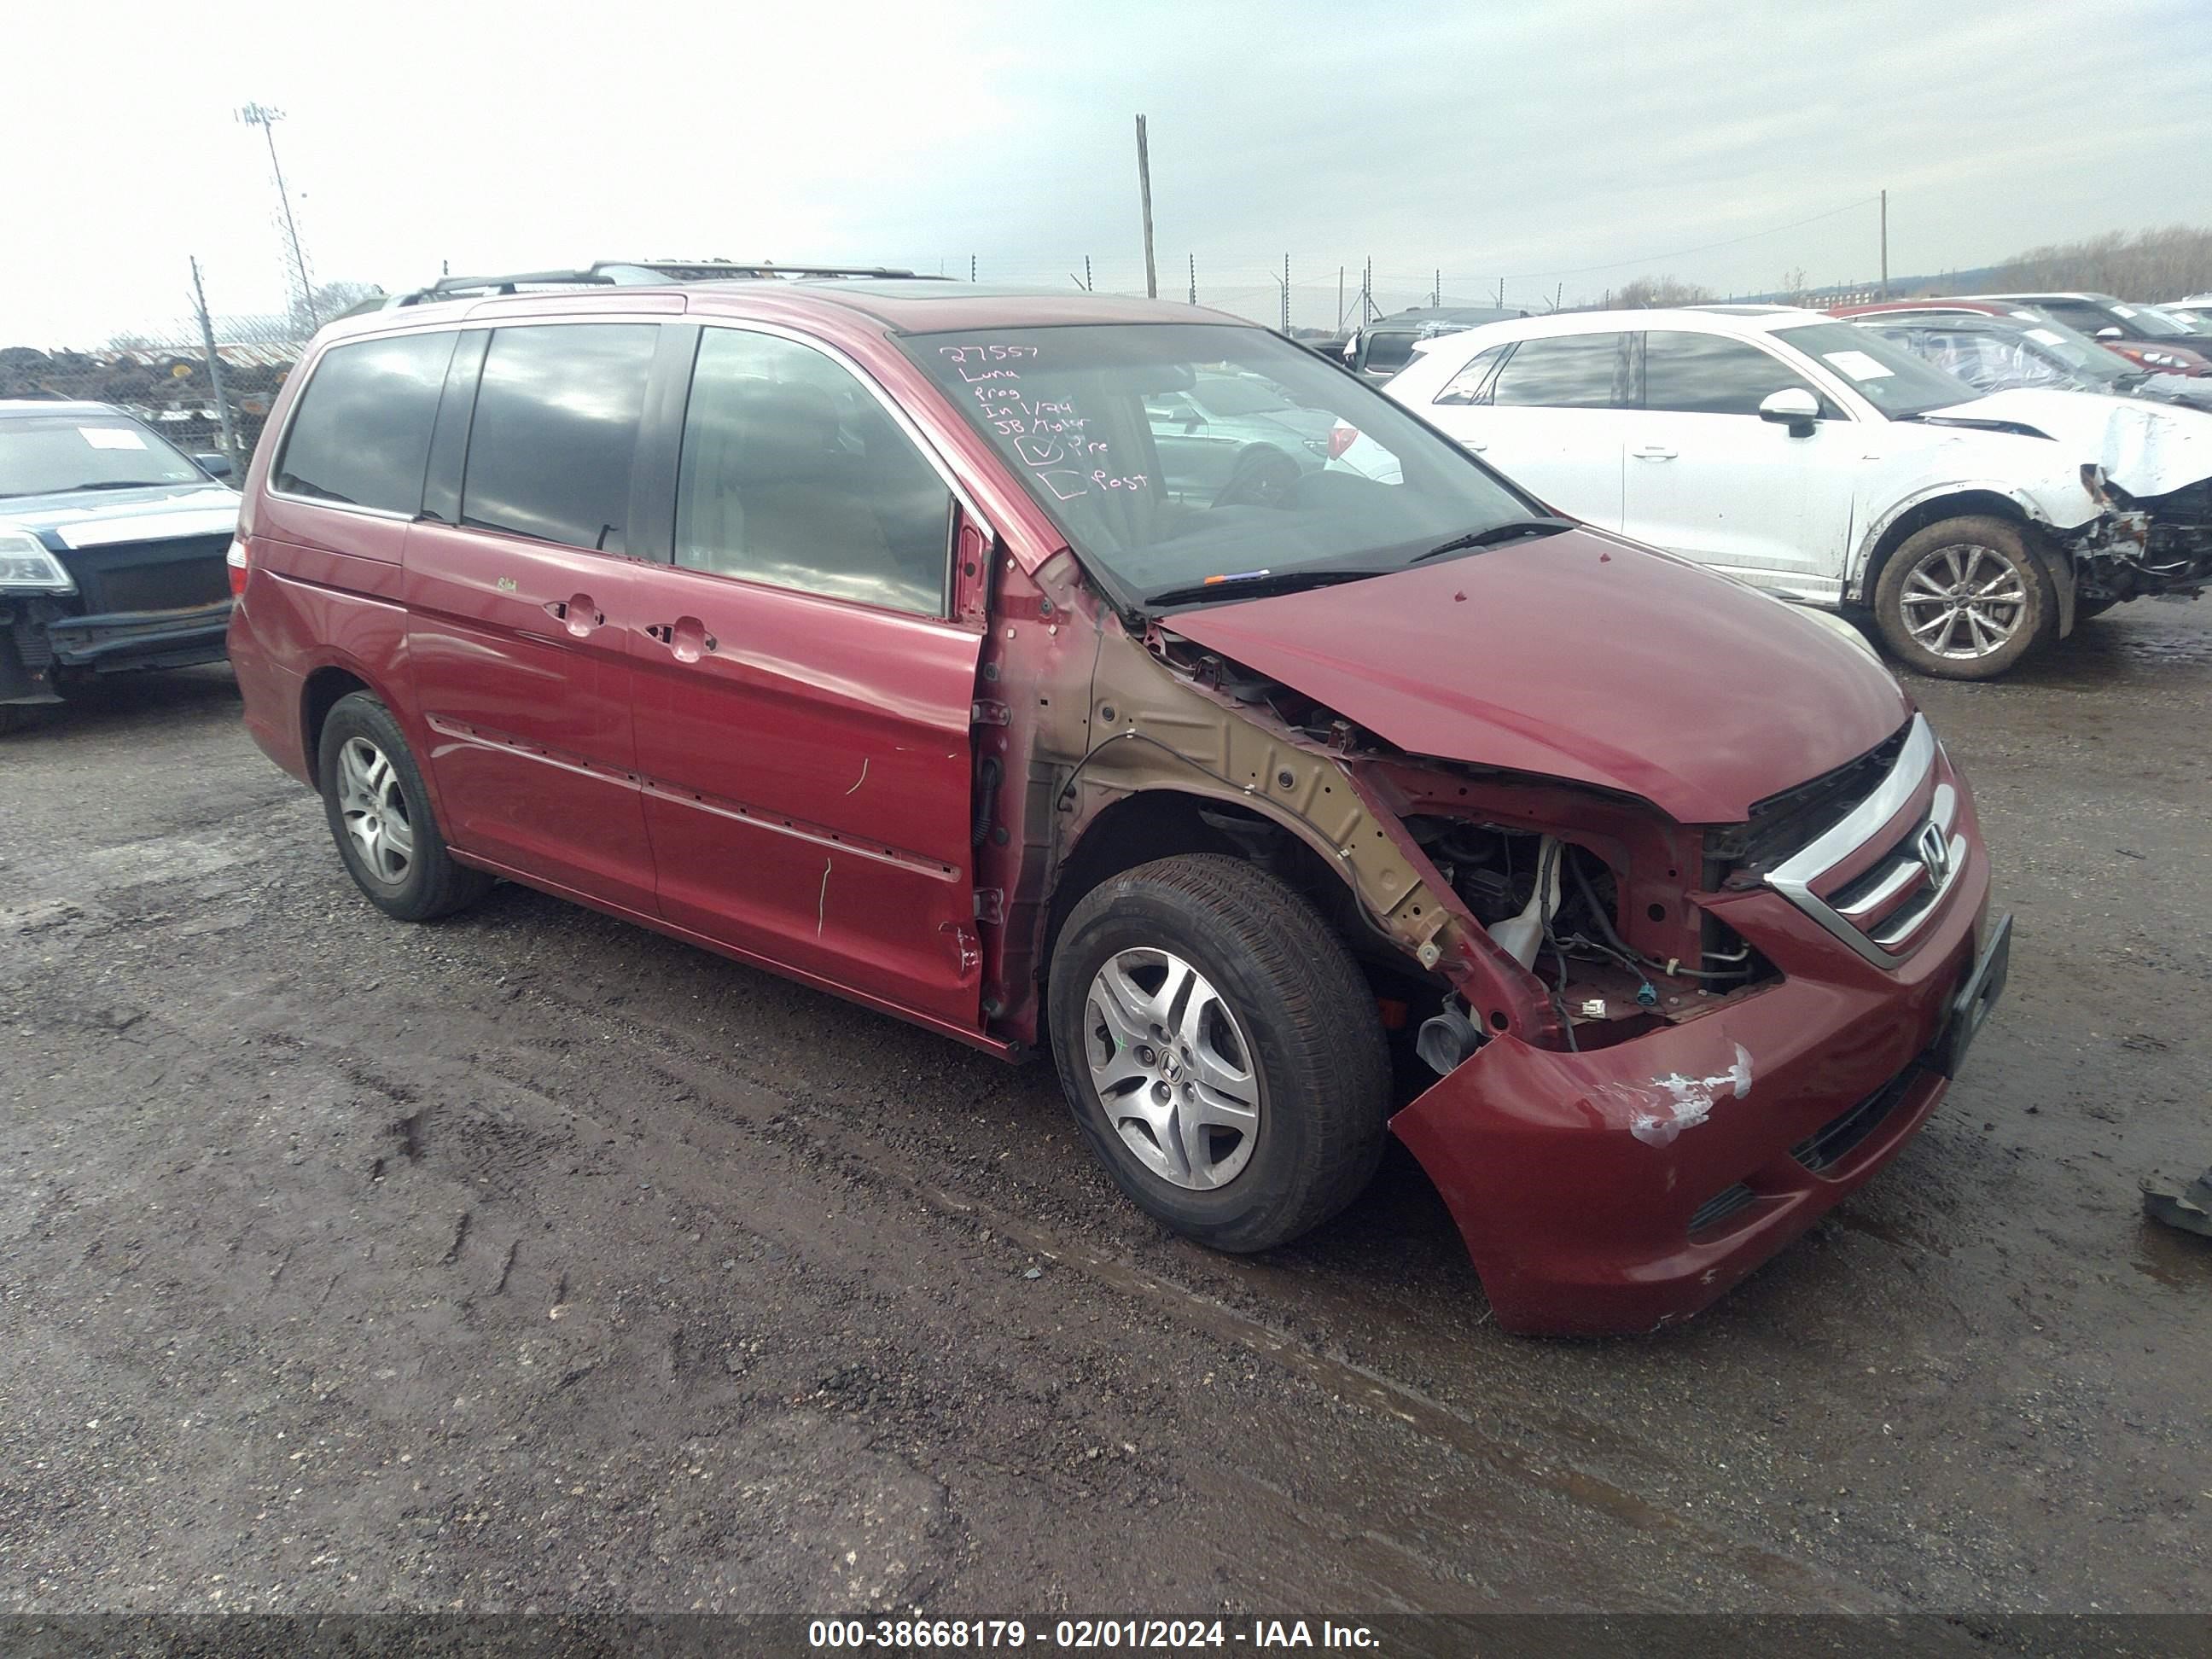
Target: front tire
{"points": [[1219, 1049], [380, 817], [1965, 598]]}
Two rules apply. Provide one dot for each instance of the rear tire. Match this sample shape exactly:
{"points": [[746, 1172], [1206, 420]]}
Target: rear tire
{"points": [[1219, 1049], [1965, 598], [380, 817]]}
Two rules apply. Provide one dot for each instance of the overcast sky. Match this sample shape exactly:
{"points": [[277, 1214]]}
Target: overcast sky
{"points": [[1574, 141]]}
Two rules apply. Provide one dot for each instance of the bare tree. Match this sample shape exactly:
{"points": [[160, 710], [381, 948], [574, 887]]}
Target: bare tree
{"points": [[1647, 292], [2151, 265]]}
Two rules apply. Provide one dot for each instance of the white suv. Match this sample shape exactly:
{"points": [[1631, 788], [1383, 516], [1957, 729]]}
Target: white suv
{"points": [[1821, 463]]}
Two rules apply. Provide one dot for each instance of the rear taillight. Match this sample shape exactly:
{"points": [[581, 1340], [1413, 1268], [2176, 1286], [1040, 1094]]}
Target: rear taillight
{"points": [[1341, 438], [234, 561]]}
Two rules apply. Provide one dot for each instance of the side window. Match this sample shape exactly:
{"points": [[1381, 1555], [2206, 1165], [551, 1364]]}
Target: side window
{"points": [[555, 426], [362, 433], [2076, 313], [792, 474], [1713, 374], [1465, 387], [1568, 371]]}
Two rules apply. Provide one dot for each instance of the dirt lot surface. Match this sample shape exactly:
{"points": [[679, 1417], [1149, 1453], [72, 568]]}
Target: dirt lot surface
{"points": [[532, 1260]]}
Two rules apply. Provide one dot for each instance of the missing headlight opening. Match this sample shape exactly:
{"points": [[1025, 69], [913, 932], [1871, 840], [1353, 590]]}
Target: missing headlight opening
{"points": [[1556, 908]]}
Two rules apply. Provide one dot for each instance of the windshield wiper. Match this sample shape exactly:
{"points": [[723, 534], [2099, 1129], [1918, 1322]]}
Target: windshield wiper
{"points": [[1251, 585], [1512, 530], [120, 483]]}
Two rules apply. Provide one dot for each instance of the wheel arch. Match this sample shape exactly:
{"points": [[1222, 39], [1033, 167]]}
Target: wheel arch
{"points": [[1159, 822], [322, 691], [1933, 506]]}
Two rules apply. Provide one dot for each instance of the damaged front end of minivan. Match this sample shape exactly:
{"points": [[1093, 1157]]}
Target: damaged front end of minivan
{"points": [[1671, 1021]]}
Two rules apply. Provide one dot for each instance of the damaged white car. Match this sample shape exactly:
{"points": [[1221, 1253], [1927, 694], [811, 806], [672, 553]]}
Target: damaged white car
{"points": [[1824, 464]]}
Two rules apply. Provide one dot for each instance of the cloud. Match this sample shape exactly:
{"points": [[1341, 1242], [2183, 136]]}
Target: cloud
{"points": [[1528, 141]]}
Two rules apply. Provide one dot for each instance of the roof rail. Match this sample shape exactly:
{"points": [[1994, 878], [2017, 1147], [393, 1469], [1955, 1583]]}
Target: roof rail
{"points": [[639, 273]]}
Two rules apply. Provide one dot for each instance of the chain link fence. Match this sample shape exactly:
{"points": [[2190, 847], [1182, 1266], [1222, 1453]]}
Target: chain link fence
{"points": [[164, 382]]}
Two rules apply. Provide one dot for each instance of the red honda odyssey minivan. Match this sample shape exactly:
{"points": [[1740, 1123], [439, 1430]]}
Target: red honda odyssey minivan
{"points": [[1026, 666]]}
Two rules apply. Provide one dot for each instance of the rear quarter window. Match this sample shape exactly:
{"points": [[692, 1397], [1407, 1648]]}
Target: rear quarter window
{"points": [[362, 433]]}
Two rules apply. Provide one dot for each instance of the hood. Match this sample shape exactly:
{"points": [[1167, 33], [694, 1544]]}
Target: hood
{"points": [[94, 517], [1580, 656], [2147, 448]]}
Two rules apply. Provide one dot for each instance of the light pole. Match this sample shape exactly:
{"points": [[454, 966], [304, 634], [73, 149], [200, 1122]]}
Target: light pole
{"points": [[260, 115]]}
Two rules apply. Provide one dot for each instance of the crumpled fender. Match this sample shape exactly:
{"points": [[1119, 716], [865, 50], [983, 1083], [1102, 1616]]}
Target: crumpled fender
{"points": [[2037, 507]]}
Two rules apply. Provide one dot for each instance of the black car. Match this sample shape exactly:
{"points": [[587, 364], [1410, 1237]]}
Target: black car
{"points": [[1385, 345], [112, 547]]}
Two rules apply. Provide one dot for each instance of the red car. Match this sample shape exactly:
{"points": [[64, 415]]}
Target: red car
{"points": [[845, 627]]}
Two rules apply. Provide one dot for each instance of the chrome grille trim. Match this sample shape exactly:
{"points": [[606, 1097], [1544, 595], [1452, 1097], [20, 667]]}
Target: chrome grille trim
{"points": [[1794, 877]]}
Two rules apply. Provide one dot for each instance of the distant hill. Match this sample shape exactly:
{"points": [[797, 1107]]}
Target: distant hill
{"points": [[1978, 281]]}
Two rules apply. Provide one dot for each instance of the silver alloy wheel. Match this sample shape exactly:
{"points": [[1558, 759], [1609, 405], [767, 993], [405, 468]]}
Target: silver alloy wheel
{"points": [[374, 810], [1963, 601], [1173, 1069]]}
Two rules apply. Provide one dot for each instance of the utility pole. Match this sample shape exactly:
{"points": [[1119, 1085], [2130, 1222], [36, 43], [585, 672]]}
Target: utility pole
{"points": [[1145, 195], [1339, 298], [971, 267], [1287, 293], [1367, 291], [1884, 244], [215, 366], [1437, 294], [260, 115], [1086, 273], [1194, 279]]}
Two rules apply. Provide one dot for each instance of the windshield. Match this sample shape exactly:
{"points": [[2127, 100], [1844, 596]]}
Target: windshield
{"points": [[1888, 376], [2141, 321], [1093, 419], [2163, 323], [1990, 355], [1222, 394], [53, 454]]}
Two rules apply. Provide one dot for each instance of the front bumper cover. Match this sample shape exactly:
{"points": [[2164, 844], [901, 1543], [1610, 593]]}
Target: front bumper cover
{"points": [[1621, 1189], [39, 635]]}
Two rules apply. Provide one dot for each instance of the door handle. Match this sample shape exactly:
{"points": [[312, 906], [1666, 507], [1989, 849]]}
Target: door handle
{"points": [[578, 614], [687, 636], [1653, 452]]}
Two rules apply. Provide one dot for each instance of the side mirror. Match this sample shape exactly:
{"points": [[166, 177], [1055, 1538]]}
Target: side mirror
{"points": [[2110, 334], [215, 466], [1793, 407]]}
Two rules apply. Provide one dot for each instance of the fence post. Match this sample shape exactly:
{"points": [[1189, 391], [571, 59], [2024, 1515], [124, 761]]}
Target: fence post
{"points": [[215, 366]]}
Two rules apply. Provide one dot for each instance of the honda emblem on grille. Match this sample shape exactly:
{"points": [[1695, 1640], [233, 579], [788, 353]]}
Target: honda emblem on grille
{"points": [[1935, 854]]}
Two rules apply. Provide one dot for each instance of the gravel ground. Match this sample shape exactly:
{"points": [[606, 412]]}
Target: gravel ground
{"points": [[530, 1260]]}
